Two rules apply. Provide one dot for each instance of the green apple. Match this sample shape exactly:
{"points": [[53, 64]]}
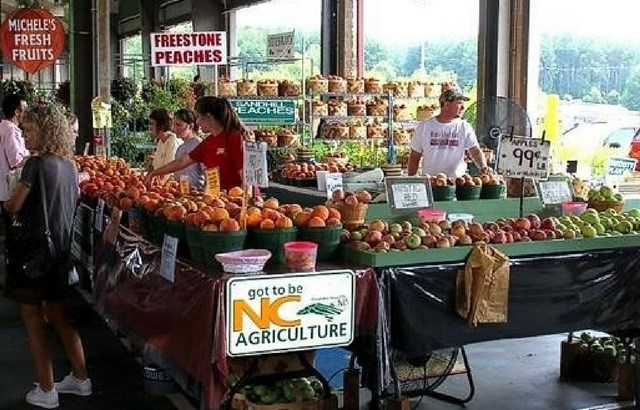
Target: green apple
{"points": [[591, 218], [592, 193], [606, 192], [589, 231], [635, 212], [624, 227], [618, 197], [569, 234], [599, 229]]}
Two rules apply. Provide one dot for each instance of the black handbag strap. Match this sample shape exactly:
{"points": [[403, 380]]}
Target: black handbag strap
{"points": [[43, 196]]}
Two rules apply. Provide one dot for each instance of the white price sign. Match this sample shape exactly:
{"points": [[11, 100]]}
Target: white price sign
{"points": [[555, 192], [333, 183], [621, 166], [280, 46], [169, 257], [524, 157], [99, 215], [281, 313], [408, 193], [255, 164]]}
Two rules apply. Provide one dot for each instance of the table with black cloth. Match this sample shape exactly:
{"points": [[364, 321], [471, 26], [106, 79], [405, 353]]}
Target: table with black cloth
{"points": [[184, 323], [548, 294]]}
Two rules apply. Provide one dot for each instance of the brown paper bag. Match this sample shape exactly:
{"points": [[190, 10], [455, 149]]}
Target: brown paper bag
{"points": [[482, 287]]}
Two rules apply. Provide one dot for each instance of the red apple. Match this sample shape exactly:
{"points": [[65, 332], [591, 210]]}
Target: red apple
{"points": [[516, 236], [499, 237], [491, 226], [535, 220], [475, 229], [548, 223], [337, 195], [429, 241], [350, 200], [522, 224]]}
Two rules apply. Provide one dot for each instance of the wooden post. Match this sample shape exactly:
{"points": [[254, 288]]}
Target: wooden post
{"points": [[626, 381], [351, 391], [398, 403], [569, 350]]}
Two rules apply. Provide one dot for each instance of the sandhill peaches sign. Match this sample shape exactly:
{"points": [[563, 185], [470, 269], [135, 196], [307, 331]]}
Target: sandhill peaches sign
{"points": [[32, 39]]}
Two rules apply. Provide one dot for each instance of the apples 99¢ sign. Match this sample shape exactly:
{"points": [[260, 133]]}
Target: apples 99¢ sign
{"points": [[524, 157]]}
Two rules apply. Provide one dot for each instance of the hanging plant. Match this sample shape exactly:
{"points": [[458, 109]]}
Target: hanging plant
{"points": [[20, 87], [123, 89], [35, 4], [63, 93]]}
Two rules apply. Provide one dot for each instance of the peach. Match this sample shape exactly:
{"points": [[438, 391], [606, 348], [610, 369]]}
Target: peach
{"points": [[284, 222], [229, 225], [267, 224], [320, 211], [316, 222]]}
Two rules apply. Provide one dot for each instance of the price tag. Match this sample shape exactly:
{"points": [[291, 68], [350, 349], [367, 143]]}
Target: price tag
{"points": [[333, 182], [255, 164], [621, 166], [168, 259], [555, 192], [185, 186], [524, 157], [212, 181], [408, 193], [87, 146], [99, 216]]}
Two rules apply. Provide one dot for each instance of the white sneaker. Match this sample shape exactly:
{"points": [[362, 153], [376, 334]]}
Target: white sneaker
{"points": [[44, 399], [72, 385]]}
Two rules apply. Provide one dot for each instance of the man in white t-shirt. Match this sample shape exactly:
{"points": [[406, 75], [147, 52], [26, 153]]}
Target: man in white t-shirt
{"points": [[441, 141]]}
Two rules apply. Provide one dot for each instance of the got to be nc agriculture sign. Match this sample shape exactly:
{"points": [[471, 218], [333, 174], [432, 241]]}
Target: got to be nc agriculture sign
{"points": [[32, 39], [280, 313]]}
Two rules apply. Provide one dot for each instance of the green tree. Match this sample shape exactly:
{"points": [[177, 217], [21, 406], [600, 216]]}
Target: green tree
{"points": [[594, 96], [613, 97], [631, 94]]}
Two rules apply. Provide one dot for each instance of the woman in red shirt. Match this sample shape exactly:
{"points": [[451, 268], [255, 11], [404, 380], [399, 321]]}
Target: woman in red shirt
{"points": [[222, 148]]}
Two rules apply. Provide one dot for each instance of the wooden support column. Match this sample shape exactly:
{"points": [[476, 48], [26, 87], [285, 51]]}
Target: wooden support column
{"points": [[519, 51], [346, 41]]}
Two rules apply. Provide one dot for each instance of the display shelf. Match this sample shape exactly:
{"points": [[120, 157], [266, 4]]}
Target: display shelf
{"points": [[347, 95], [460, 253], [262, 97], [352, 117]]}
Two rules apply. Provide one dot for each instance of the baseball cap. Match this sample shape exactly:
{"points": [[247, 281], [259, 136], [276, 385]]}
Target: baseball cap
{"points": [[452, 95]]}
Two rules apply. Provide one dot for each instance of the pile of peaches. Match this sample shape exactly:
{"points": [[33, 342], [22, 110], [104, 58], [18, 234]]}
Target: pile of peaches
{"points": [[115, 183], [307, 171]]}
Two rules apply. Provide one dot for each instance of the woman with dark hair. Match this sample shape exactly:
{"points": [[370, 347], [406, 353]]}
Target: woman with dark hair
{"points": [[160, 126], [221, 149], [46, 131], [184, 125]]}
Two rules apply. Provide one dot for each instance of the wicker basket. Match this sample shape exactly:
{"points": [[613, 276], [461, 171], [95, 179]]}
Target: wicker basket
{"points": [[601, 206], [353, 215]]}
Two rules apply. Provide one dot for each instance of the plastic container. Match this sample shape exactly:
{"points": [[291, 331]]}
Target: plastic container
{"points": [[273, 240], [244, 261], [443, 193], [468, 192], [328, 240], [301, 255], [573, 208], [468, 218], [492, 191], [432, 215]]}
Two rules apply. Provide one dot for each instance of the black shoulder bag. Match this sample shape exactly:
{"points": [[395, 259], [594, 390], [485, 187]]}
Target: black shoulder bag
{"points": [[34, 259]]}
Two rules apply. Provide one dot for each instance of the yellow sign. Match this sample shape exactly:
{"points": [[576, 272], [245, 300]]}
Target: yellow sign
{"points": [[185, 187], [212, 185]]}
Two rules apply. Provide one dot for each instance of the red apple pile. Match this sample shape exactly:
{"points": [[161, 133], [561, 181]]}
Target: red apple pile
{"points": [[468, 180], [441, 180], [340, 197], [379, 236]]}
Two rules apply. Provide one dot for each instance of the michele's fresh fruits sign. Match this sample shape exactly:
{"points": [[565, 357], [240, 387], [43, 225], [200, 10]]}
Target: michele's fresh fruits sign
{"points": [[279, 313], [32, 39]]}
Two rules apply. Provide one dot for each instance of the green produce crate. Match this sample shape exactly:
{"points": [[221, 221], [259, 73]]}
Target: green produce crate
{"points": [[468, 193], [272, 240], [460, 253], [157, 228], [220, 242], [328, 240], [178, 230], [443, 193], [492, 191], [196, 249]]}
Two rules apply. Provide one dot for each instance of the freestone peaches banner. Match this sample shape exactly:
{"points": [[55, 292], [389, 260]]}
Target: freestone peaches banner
{"points": [[32, 39]]}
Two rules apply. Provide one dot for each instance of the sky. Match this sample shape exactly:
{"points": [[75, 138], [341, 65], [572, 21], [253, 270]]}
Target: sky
{"points": [[405, 21]]}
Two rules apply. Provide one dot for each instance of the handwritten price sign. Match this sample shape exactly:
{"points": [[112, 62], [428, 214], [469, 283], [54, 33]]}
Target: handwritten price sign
{"points": [[620, 166], [212, 181], [524, 157], [255, 164], [555, 192], [408, 193]]}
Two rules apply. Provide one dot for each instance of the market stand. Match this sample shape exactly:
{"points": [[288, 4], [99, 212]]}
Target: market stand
{"points": [[182, 324]]}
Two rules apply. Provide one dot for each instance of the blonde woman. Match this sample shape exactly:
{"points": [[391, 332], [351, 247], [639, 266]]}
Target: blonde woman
{"points": [[46, 131]]}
